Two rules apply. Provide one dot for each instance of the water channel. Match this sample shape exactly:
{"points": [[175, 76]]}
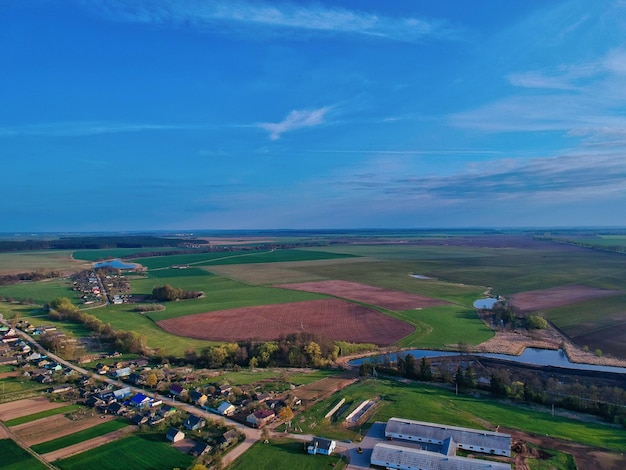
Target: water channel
{"points": [[530, 356]]}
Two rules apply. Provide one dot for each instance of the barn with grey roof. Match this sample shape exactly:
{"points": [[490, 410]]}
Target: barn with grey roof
{"points": [[486, 442]]}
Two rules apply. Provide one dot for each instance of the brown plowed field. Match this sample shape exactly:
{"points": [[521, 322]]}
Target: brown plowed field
{"points": [[386, 298], [542, 299], [28, 406], [331, 318], [52, 427]]}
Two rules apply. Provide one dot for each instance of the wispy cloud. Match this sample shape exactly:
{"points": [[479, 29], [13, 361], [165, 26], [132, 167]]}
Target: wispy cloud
{"points": [[296, 119], [276, 16], [78, 129], [566, 177]]}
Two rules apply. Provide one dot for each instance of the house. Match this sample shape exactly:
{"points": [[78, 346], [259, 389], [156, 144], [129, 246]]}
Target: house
{"points": [[260, 418], [119, 373], [319, 445], [200, 448], [93, 401], [44, 379], [122, 393], [116, 408], [176, 390], [198, 398], [228, 438], [224, 389], [166, 410], [136, 379], [193, 423], [140, 401], [174, 435], [139, 419], [225, 409]]}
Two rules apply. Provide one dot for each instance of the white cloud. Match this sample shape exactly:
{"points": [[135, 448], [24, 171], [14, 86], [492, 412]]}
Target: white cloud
{"points": [[296, 119], [286, 16], [77, 129]]}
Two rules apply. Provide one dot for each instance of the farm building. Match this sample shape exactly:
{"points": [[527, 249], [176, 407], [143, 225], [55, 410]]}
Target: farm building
{"points": [[174, 435], [486, 442], [405, 458], [119, 373], [260, 418], [319, 445]]}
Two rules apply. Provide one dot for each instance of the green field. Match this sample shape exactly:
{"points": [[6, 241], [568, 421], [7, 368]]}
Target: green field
{"points": [[42, 414], [80, 436], [137, 452], [41, 292], [109, 253], [206, 259], [284, 453], [443, 327], [436, 404], [13, 457]]}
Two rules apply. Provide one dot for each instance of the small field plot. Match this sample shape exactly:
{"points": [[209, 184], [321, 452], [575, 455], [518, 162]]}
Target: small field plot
{"points": [[54, 427], [80, 436], [13, 457], [389, 299], [532, 301], [330, 318], [17, 388], [17, 409], [139, 452]]}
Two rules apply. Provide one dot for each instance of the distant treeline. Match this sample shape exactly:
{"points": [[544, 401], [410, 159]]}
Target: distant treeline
{"points": [[96, 243], [30, 276]]}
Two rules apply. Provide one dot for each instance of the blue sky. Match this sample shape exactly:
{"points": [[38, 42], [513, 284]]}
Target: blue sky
{"points": [[191, 114]]}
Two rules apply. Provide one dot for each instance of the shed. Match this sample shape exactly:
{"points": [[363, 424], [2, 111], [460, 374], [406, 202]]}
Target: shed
{"points": [[174, 435]]}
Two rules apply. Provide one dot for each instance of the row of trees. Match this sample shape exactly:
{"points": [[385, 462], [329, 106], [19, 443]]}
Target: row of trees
{"points": [[62, 308], [167, 293], [295, 350], [6, 279]]}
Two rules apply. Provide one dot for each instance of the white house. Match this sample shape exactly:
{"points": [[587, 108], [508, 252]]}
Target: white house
{"points": [[319, 445], [226, 409]]}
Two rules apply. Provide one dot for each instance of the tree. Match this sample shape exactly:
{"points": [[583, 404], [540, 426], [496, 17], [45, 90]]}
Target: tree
{"points": [[425, 371], [285, 413], [152, 380], [265, 435]]}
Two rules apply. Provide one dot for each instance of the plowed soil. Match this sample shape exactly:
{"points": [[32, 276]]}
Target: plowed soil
{"points": [[331, 318], [386, 298], [52, 427], [534, 300], [28, 406]]}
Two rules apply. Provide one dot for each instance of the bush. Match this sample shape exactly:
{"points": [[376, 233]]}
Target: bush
{"points": [[536, 322]]}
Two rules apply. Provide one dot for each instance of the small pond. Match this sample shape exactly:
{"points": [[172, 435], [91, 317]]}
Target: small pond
{"points": [[485, 304], [530, 356], [114, 263]]}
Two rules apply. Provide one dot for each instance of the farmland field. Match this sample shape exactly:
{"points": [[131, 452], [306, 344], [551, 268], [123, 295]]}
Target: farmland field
{"points": [[27, 261], [139, 452], [42, 414], [15, 458], [330, 318], [104, 254], [205, 259], [40, 292]]}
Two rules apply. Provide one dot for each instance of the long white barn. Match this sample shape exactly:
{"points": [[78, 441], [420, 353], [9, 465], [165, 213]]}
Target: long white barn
{"points": [[404, 458], [486, 442]]}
